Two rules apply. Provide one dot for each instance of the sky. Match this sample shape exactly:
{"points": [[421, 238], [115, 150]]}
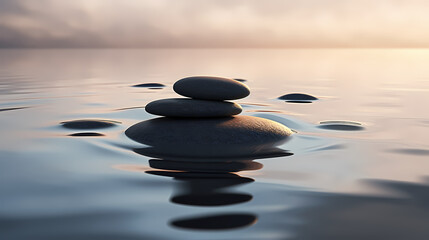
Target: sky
{"points": [[213, 23]]}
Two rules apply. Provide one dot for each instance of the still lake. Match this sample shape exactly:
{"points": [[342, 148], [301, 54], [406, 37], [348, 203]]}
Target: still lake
{"points": [[358, 166]]}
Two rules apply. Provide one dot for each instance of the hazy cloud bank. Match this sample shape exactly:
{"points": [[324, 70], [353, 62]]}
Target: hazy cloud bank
{"points": [[214, 23]]}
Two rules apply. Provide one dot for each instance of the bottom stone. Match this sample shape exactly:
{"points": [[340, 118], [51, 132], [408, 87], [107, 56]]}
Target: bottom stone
{"points": [[210, 137]]}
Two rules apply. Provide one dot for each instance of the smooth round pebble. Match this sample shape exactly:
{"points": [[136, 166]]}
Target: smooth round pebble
{"points": [[209, 137], [211, 88], [89, 124], [186, 107]]}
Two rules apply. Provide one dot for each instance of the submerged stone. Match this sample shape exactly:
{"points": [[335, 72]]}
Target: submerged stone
{"points": [[211, 88], [209, 137], [150, 85], [86, 134], [186, 107], [298, 98], [341, 126], [89, 124]]}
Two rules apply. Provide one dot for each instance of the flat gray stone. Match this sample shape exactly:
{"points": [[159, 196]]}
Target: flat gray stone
{"points": [[211, 88], [209, 137], [187, 107]]}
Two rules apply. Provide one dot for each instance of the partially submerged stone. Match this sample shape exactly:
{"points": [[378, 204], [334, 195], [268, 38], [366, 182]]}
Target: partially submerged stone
{"points": [[89, 124], [149, 85], [341, 125], [298, 98], [86, 134]]}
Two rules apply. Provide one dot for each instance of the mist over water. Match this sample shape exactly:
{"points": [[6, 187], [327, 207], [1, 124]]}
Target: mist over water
{"points": [[356, 167]]}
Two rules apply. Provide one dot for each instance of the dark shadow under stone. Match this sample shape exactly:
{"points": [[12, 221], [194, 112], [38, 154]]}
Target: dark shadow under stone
{"points": [[89, 124], [216, 222]]}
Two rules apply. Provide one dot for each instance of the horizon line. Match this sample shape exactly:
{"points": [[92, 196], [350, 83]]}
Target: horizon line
{"points": [[71, 48]]}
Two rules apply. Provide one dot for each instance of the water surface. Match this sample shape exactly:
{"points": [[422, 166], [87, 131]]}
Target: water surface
{"points": [[355, 169]]}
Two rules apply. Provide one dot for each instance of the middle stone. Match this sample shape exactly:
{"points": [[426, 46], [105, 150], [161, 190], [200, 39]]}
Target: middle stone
{"points": [[186, 107]]}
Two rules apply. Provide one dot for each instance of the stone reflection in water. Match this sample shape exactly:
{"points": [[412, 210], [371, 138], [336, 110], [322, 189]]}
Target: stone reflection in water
{"points": [[208, 184], [201, 186], [215, 222], [211, 189], [232, 166], [205, 183], [211, 199], [157, 152]]}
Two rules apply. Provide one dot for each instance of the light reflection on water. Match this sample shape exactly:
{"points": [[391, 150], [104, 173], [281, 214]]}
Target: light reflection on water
{"points": [[85, 183]]}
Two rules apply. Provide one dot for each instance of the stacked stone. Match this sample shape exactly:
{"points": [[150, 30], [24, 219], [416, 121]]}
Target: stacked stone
{"points": [[207, 98], [204, 124]]}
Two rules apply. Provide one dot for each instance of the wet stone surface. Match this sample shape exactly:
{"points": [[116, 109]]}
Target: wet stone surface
{"points": [[186, 107], [211, 88]]}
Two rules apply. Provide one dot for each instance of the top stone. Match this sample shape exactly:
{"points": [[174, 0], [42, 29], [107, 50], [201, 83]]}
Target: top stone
{"points": [[211, 88]]}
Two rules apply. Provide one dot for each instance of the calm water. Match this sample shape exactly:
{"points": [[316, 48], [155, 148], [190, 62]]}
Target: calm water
{"points": [[367, 181]]}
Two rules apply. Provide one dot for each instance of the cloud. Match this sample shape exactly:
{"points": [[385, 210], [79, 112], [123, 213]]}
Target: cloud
{"points": [[214, 23]]}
